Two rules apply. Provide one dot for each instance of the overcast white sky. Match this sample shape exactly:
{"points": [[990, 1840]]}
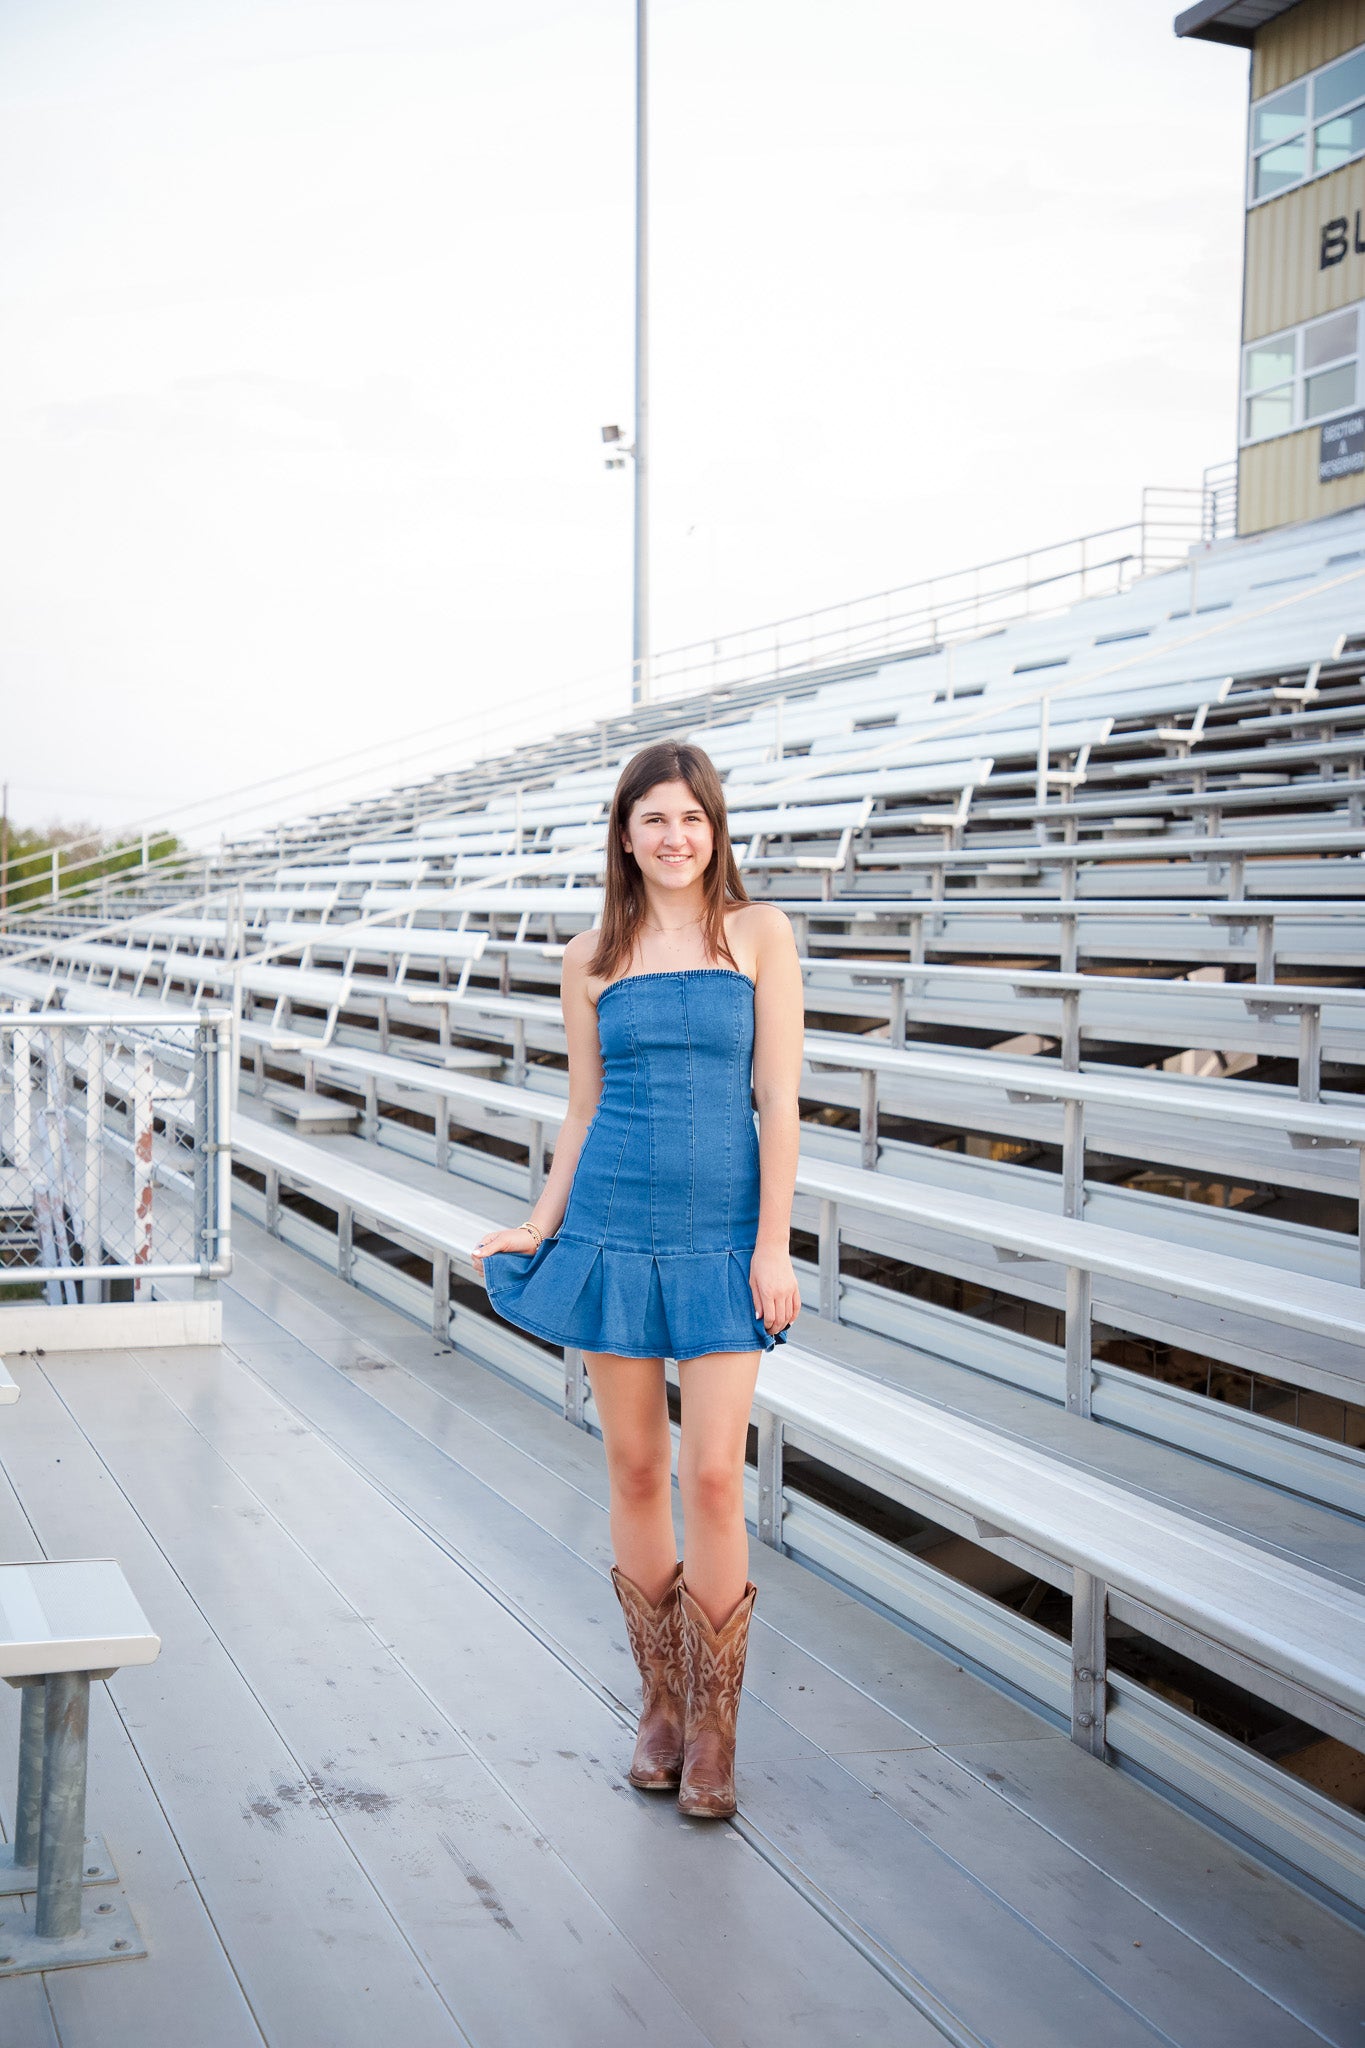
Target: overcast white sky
{"points": [[313, 309]]}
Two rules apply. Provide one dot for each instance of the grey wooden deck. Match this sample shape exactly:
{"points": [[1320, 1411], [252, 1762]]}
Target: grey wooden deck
{"points": [[374, 1788]]}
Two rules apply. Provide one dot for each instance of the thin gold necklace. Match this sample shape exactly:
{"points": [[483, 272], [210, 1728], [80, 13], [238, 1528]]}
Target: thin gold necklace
{"points": [[672, 927]]}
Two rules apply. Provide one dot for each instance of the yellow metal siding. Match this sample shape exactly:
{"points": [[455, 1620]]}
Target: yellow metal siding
{"points": [[1277, 484], [1310, 34], [1285, 281]]}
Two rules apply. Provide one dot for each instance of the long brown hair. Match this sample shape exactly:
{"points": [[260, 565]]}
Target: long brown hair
{"points": [[623, 901]]}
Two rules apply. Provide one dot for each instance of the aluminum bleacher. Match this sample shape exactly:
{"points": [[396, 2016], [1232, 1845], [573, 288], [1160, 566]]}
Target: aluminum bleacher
{"points": [[1079, 1393]]}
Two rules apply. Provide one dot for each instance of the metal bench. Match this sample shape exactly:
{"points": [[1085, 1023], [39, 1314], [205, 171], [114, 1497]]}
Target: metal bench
{"points": [[1263, 1621], [1216, 1107], [794, 782], [1237, 1002], [1213, 760], [431, 1224], [1324, 1347], [454, 1081], [62, 1625], [1187, 929]]}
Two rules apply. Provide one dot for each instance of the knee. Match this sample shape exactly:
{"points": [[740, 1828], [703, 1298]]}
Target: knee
{"points": [[637, 1478], [714, 1491]]}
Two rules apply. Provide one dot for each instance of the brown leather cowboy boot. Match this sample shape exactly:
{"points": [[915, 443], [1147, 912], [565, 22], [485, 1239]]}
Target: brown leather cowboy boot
{"points": [[715, 1675], [656, 1642]]}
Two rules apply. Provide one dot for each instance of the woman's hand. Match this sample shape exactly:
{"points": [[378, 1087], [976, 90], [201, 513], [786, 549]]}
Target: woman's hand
{"points": [[772, 1282], [519, 1240]]}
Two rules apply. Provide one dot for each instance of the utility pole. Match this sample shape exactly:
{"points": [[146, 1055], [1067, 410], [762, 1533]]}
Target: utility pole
{"points": [[639, 675], [638, 449]]}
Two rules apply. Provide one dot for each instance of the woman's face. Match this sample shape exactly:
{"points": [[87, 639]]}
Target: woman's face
{"points": [[670, 835]]}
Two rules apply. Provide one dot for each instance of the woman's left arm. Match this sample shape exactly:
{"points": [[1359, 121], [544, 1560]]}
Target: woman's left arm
{"points": [[779, 1043]]}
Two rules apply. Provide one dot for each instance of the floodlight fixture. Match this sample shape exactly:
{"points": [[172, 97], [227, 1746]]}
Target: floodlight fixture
{"points": [[620, 448]]}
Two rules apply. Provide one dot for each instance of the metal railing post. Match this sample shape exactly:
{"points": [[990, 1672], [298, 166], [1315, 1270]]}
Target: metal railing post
{"points": [[227, 1063], [770, 1501], [1044, 721], [829, 1259], [1265, 949], [867, 1117], [1089, 1661], [143, 1181], [61, 1837], [1073, 1158], [1079, 1375], [898, 987], [440, 1296], [575, 1386], [92, 1240], [21, 1056], [203, 1150], [1310, 1052], [345, 1241], [29, 1800]]}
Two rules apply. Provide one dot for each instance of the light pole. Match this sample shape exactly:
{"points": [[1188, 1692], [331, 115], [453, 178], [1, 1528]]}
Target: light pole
{"points": [[639, 676], [639, 448]]}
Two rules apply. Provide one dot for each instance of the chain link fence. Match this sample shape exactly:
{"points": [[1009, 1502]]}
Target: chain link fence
{"points": [[114, 1153]]}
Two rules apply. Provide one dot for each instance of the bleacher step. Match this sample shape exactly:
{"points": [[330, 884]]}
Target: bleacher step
{"points": [[317, 1116]]}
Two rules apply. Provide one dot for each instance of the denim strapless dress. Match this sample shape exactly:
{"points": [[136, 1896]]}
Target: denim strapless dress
{"points": [[652, 1257]]}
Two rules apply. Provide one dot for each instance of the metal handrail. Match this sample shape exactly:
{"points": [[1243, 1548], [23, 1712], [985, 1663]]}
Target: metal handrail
{"points": [[932, 611], [957, 604], [1219, 519]]}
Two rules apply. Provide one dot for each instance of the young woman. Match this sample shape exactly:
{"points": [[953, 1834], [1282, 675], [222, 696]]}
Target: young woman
{"points": [[663, 1231]]}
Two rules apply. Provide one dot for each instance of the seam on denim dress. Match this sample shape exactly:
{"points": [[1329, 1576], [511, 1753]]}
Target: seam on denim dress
{"points": [[625, 1135], [642, 1066], [691, 1124], [731, 1082]]}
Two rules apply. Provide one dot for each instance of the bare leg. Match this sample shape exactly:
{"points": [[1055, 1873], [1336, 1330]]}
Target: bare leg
{"points": [[632, 1406], [717, 1395]]}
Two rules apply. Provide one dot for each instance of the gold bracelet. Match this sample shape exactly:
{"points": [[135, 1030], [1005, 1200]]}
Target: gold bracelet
{"points": [[536, 1229]]}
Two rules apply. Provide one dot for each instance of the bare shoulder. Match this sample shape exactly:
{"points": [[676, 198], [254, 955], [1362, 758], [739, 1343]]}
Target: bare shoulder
{"points": [[579, 949], [573, 962], [760, 936], [766, 928]]}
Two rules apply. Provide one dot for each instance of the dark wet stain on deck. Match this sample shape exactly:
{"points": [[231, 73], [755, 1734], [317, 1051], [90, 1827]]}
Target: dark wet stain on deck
{"points": [[328, 1793]]}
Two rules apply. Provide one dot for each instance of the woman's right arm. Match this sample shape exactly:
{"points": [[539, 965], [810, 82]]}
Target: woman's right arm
{"points": [[585, 1089]]}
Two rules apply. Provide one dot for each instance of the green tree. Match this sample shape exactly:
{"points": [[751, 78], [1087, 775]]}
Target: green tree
{"points": [[83, 855]]}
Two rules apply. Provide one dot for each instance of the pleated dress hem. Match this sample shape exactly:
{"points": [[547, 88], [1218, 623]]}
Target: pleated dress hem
{"points": [[601, 1299]]}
